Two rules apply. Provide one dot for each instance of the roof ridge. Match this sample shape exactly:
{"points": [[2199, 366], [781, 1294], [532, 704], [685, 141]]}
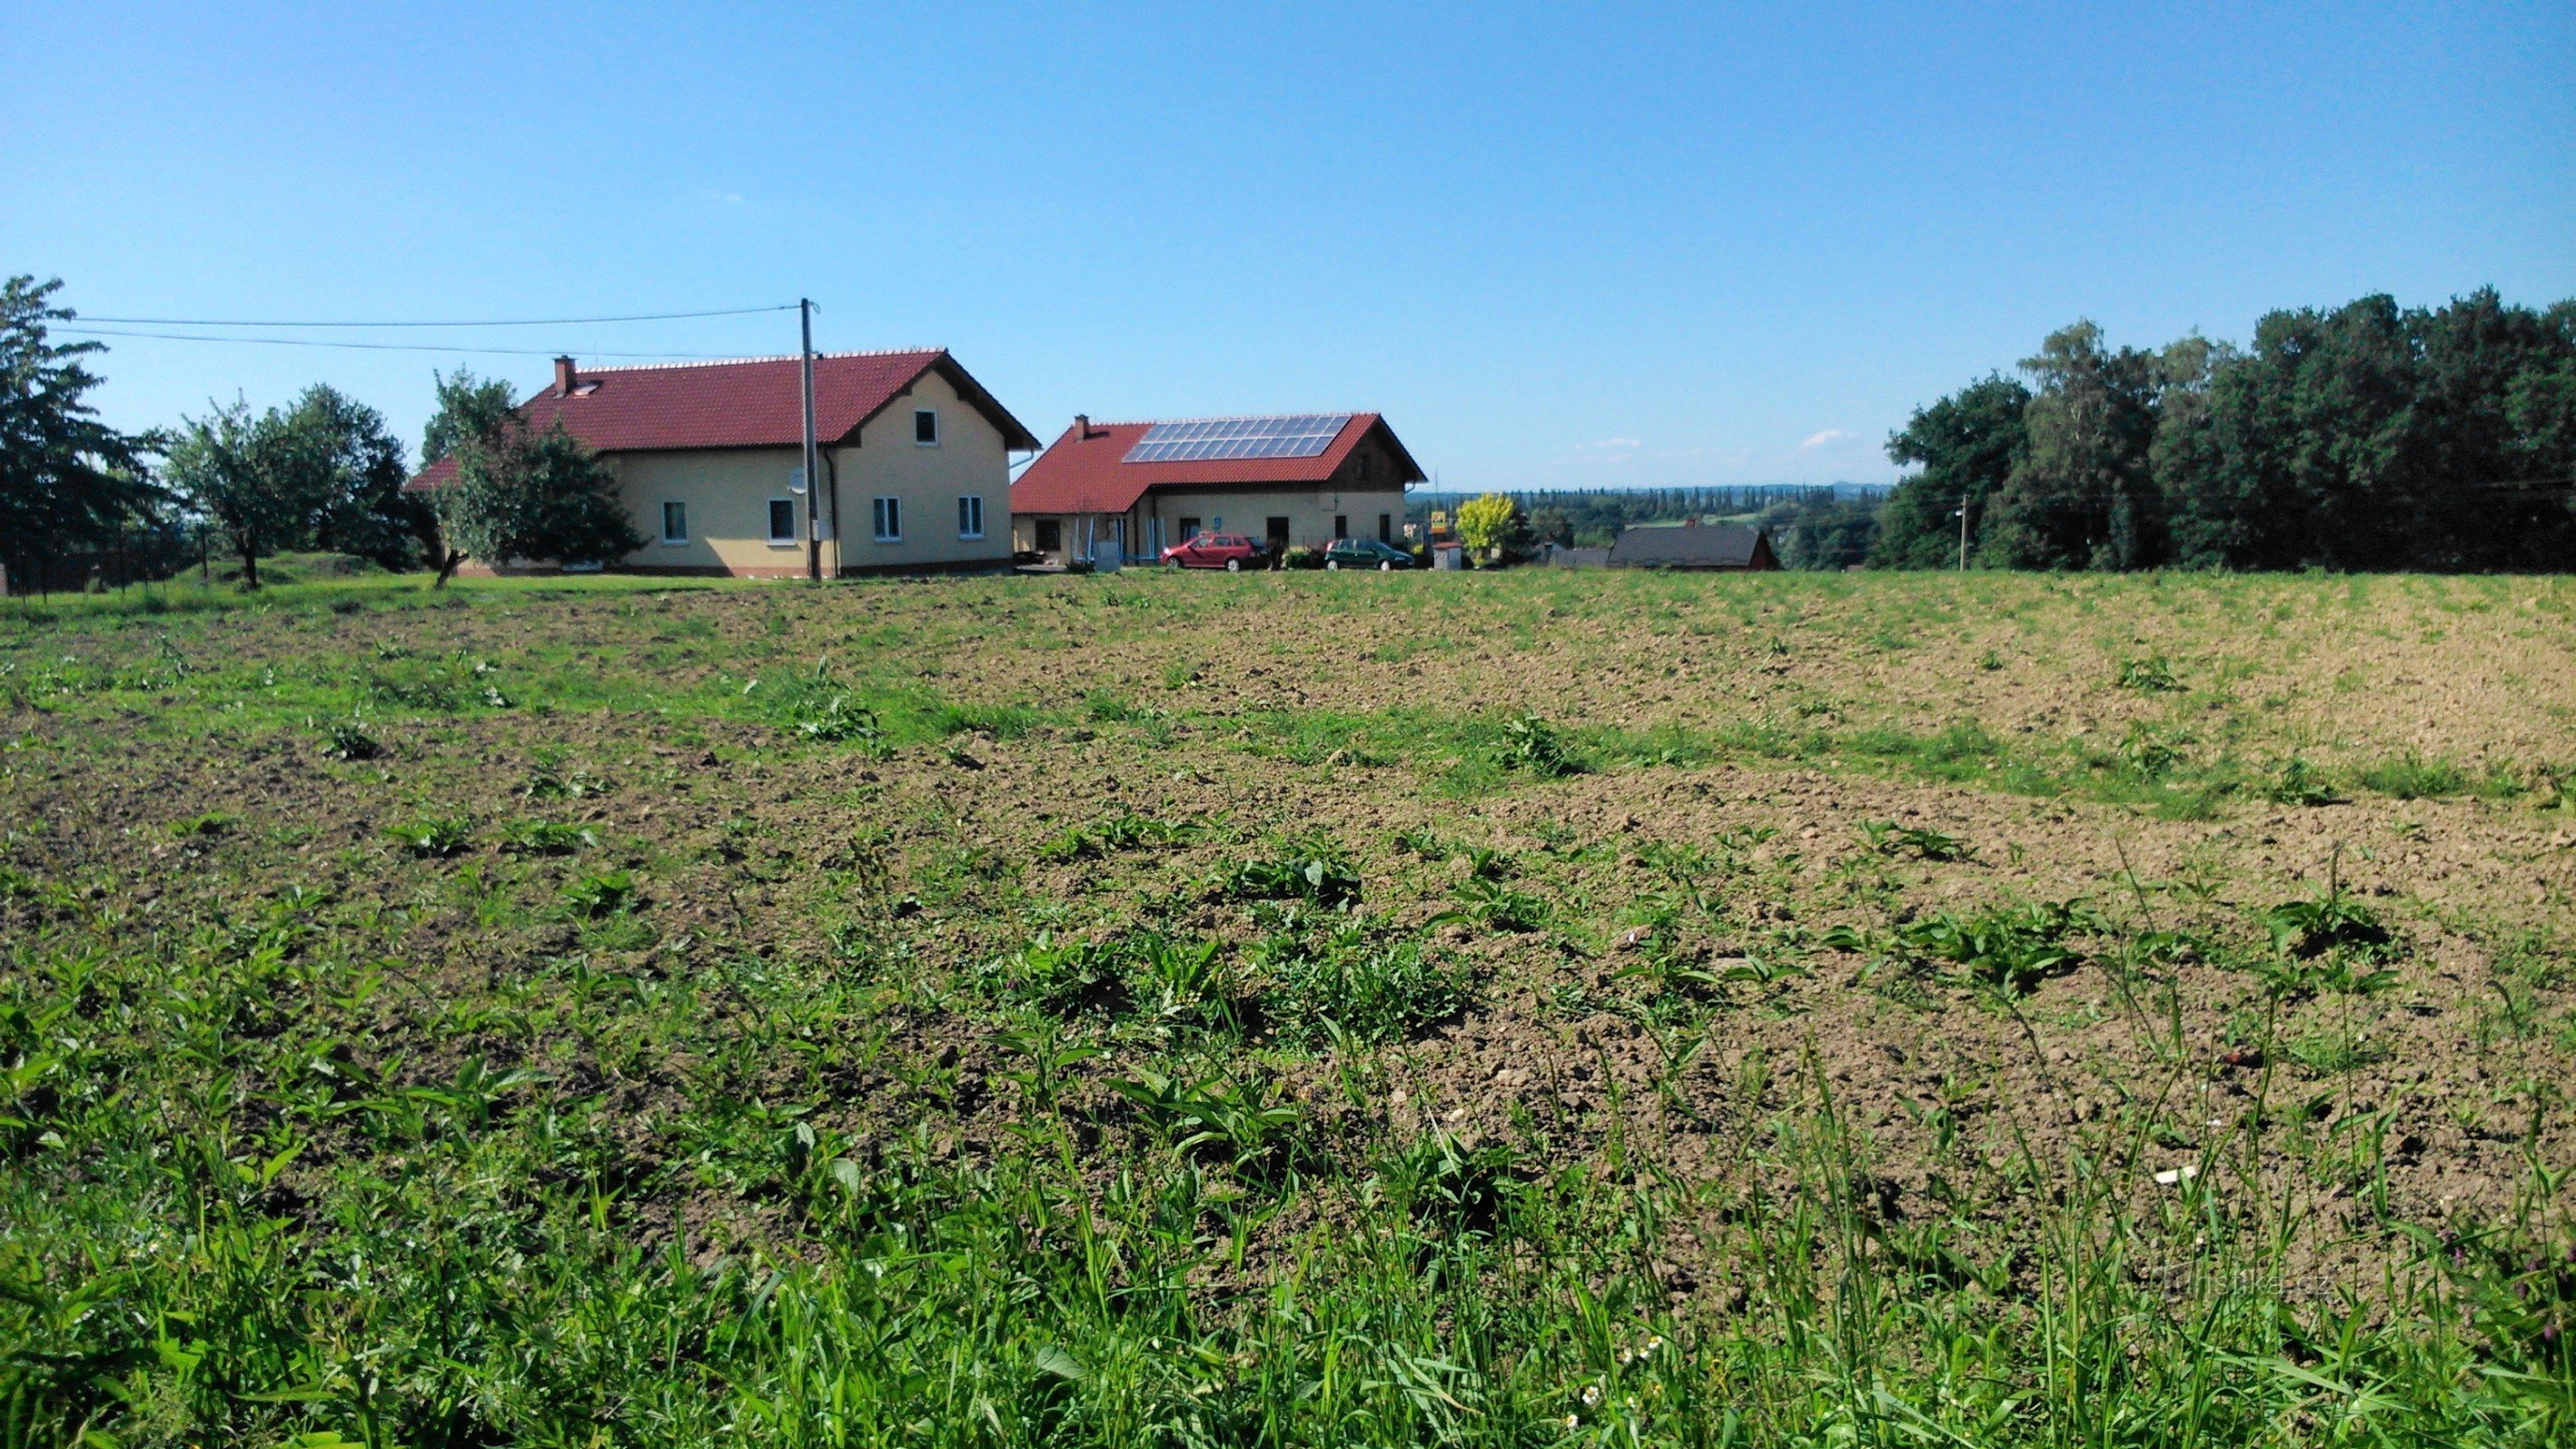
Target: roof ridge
{"points": [[1346, 414], [743, 361]]}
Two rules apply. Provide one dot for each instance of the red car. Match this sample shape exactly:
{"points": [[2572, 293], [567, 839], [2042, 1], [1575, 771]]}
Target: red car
{"points": [[1231, 552]]}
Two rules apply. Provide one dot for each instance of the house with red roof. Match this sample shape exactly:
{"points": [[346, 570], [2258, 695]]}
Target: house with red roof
{"points": [[1134, 489], [710, 458]]}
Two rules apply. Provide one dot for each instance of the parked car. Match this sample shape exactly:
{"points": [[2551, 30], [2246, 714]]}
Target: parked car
{"points": [[1232, 552], [1365, 553]]}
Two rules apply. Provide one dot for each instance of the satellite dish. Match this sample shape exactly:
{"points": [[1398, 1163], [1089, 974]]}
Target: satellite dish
{"points": [[796, 480]]}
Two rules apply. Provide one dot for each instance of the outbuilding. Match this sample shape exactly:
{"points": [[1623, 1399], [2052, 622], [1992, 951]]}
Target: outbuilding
{"points": [[1693, 546], [1130, 490]]}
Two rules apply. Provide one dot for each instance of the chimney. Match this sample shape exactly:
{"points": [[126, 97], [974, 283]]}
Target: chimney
{"points": [[1082, 427], [563, 377]]}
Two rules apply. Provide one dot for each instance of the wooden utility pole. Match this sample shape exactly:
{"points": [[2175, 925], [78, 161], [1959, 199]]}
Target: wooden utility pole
{"points": [[813, 469]]}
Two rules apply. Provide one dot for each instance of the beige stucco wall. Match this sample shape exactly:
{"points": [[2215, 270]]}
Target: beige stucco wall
{"points": [[972, 459], [727, 492], [1309, 513]]}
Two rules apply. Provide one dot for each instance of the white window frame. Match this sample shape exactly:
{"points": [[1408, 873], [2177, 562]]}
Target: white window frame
{"points": [[789, 539], [970, 509], [885, 519], [918, 440], [670, 539]]}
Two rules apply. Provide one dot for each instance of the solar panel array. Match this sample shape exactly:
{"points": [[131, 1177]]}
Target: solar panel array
{"points": [[1304, 435]]}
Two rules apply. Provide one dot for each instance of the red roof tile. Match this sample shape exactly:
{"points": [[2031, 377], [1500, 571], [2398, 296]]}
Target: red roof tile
{"points": [[754, 403], [1080, 474]]}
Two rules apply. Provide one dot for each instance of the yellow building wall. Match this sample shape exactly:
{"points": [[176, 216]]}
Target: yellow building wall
{"points": [[972, 459], [727, 493]]}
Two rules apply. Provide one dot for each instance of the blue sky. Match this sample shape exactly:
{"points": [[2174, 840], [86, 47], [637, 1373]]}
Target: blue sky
{"points": [[1558, 246]]}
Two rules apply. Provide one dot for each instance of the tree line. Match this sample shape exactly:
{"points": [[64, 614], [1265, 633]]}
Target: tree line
{"points": [[1592, 517], [2365, 437], [324, 473]]}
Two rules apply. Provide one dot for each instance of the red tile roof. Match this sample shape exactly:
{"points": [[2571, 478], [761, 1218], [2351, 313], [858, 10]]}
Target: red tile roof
{"points": [[1090, 474], [754, 403]]}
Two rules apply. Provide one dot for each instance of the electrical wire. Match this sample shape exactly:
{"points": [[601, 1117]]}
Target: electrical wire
{"points": [[380, 346], [512, 322]]}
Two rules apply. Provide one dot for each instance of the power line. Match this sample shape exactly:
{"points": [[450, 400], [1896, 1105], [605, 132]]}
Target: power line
{"points": [[510, 322], [378, 346]]}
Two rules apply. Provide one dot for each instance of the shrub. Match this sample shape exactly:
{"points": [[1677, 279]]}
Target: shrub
{"points": [[1302, 557]]}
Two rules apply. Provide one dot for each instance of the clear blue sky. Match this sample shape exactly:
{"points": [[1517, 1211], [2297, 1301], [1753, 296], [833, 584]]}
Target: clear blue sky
{"points": [[1558, 246]]}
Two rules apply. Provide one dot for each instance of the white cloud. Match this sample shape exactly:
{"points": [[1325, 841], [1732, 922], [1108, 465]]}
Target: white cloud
{"points": [[1825, 439]]}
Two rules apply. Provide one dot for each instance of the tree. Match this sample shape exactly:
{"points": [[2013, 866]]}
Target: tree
{"points": [[470, 409], [1493, 521], [362, 508], [68, 482], [1967, 444], [258, 480], [2082, 495], [523, 495]]}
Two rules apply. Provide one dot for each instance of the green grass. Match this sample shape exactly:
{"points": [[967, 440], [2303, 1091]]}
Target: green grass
{"points": [[895, 1106]]}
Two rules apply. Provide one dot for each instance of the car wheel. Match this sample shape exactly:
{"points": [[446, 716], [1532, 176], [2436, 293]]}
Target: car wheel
{"points": [[1383, 565], [1332, 565], [1234, 565]]}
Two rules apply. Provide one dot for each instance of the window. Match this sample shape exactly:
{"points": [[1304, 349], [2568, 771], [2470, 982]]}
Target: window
{"points": [[925, 427], [782, 520], [970, 516], [1341, 525], [675, 523], [1189, 529], [887, 515], [1050, 534], [1385, 528]]}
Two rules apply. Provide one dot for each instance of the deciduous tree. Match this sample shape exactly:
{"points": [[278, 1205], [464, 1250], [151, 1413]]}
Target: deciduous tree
{"points": [[1966, 444], [520, 494]]}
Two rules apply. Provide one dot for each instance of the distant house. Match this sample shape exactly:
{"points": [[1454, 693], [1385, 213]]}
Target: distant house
{"points": [[1692, 546], [1138, 488], [710, 460]]}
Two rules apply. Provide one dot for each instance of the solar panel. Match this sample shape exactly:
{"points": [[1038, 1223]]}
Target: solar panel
{"points": [[1303, 435]]}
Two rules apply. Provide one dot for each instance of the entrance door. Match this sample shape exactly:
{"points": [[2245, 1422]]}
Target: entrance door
{"points": [[1278, 535]]}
